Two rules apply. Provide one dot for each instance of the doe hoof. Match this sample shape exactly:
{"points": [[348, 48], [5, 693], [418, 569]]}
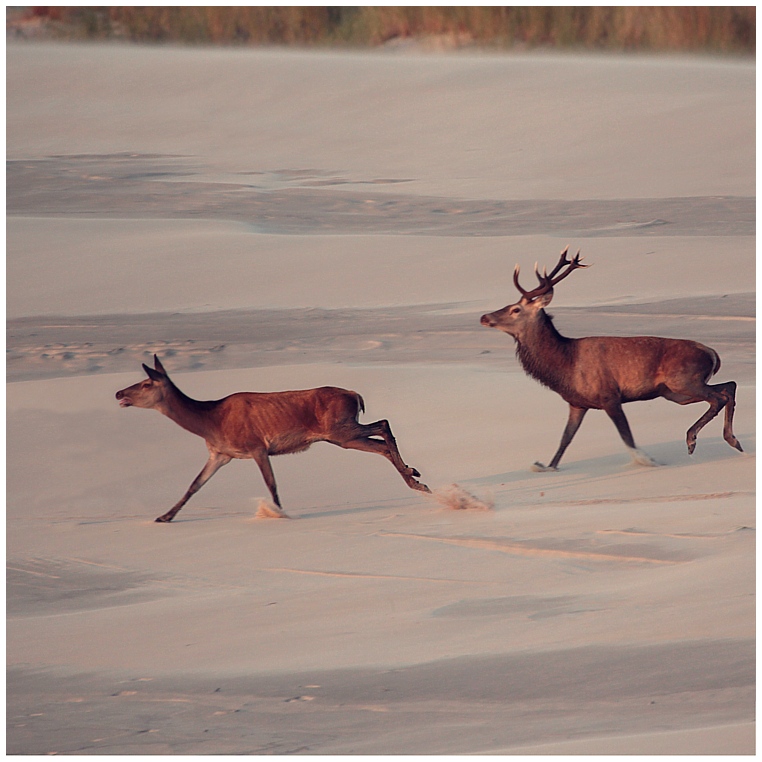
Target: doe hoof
{"points": [[540, 468]]}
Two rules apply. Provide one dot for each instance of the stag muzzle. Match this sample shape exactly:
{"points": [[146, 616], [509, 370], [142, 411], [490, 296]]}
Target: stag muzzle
{"points": [[489, 320]]}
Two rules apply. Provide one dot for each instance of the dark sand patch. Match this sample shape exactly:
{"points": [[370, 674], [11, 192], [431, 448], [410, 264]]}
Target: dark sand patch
{"points": [[39, 587], [448, 706], [172, 187], [50, 346], [529, 606]]}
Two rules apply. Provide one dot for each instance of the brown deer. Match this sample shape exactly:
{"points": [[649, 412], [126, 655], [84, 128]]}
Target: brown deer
{"points": [[604, 372], [256, 425]]}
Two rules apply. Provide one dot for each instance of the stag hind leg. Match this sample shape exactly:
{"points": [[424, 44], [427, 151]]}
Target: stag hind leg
{"points": [[718, 396], [361, 436]]}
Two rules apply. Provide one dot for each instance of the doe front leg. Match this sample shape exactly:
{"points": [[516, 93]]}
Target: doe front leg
{"points": [[215, 462], [262, 459]]}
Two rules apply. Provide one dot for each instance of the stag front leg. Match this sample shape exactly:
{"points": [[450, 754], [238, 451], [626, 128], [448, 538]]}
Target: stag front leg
{"points": [[576, 414], [617, 415], [215, 462]]}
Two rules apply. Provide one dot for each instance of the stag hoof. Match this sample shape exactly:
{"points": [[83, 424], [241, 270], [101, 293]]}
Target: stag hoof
{"points": [[418, 486], [735, 443], [164, 519], [539, 467]]}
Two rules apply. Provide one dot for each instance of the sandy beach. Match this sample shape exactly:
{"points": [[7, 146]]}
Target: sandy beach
{"points": [[266, 220]]}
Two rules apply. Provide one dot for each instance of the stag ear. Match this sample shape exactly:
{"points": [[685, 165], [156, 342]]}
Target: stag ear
{"points": [[157, 364], [154, 375]]}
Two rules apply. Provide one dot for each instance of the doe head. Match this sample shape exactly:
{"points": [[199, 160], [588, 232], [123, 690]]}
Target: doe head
{"points": [[513, 318], [148, 393]]}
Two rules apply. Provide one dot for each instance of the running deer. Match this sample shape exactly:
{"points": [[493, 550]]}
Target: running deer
{"points": [[604, 372], [256, 425]]}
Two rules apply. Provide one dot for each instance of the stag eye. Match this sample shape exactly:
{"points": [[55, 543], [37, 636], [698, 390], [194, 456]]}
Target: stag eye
{"points": [[515, 310]]}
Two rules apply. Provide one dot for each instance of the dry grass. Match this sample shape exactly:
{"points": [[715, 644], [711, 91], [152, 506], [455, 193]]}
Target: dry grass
{"points": [[653, 28], [455, 498]]}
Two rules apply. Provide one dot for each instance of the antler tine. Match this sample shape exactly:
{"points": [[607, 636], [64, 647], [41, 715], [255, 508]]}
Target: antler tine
{"points": [[548, 280], [574, 264], [543, 288], [516, 280], [562, 262]]}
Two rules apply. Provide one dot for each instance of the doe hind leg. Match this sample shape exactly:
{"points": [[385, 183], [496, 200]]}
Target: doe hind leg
{"points": [[361, 437]]}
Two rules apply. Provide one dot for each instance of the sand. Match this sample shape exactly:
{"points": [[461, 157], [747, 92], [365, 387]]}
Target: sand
{"points": [[268, 220]]}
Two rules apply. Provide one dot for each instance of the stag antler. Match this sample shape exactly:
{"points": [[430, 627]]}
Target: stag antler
{"points": [[547, 281]]}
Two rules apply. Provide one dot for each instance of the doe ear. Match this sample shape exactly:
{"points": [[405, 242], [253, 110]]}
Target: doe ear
{"points": [[157, 364], [154, 375]]}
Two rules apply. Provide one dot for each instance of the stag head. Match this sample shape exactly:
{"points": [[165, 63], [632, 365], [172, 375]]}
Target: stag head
{"points": [[515, 317]]}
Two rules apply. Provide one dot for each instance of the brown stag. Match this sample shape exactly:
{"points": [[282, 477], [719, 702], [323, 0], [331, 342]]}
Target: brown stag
{"points": [[604, 372], [256, 425]]}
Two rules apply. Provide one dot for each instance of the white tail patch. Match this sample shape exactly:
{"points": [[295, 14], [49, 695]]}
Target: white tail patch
{"points": [[268, 510], [456, 498]]}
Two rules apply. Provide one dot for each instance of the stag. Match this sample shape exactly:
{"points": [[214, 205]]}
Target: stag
{"points": [[256, 425], [604, 372]]}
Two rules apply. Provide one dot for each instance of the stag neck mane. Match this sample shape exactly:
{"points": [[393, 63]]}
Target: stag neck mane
{"points": [[545, 354]]}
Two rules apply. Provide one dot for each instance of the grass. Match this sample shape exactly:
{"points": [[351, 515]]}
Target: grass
{"points": [[718, 29]]}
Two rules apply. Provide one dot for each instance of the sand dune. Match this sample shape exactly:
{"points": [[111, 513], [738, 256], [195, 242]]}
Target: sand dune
{"points": [[266, 220]]}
